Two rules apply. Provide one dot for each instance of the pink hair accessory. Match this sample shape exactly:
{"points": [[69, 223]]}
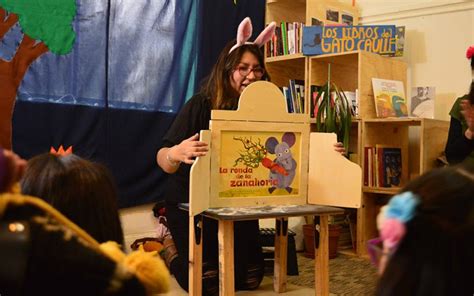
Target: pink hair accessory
{"points": [[244, 32], [393, 230], [470, 52]]}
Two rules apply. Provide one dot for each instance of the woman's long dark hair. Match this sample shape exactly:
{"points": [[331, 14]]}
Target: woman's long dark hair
{"points": [[217, 85]]}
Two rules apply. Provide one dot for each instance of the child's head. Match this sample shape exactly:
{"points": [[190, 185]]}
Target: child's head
{"points": [[431, 253], [82, 190]]}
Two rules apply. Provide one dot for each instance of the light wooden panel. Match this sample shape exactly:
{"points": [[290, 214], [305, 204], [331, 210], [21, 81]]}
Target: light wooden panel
{"points": [[318, 9], [285, 11], [333, 180], [321, 263], [283, 69], [195, 256], [375, 66], [366, 228], [344, 70], [199, 182], [355, 140], [433, 137], [225, 236], [280, 254], [261, 101]]}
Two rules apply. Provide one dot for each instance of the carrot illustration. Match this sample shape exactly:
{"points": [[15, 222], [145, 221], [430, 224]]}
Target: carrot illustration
{"points": [[274, 167]]}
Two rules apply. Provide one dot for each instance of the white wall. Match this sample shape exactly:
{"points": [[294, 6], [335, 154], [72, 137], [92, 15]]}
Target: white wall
{"points": [[436, 38]]}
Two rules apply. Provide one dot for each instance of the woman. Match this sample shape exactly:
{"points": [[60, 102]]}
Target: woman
{"points": [[460, 145], [238, 65]]}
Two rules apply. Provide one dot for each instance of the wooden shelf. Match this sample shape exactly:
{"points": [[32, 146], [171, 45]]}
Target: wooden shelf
{"points": [[286, 57], [381, 190]]}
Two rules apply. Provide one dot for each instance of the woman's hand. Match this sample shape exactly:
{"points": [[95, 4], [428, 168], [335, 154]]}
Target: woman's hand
{"points": [[188, 150], [339, 147], [467, 110]]}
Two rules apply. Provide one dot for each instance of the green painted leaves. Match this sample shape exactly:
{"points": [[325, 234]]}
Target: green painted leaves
{"points": [[47, 20]]}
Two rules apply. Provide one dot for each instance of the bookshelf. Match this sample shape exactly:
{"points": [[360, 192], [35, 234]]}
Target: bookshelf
{"points": [[421, 140], [282, 68]]}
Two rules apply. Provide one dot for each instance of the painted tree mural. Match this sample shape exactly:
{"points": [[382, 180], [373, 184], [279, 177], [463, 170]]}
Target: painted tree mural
{"points": [[46, 26]]}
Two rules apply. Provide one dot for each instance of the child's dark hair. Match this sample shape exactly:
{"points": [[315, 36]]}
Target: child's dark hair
{"points": [[82, 190], [436, 255]]}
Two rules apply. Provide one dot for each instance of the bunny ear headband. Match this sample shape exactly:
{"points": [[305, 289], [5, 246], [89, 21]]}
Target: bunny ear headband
{"points": [[244, 32]]}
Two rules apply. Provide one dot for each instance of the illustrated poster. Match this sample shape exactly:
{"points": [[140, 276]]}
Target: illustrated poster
{"points": [[256, 163]]}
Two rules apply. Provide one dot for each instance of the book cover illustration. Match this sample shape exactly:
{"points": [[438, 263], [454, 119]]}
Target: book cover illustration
{"points": [[400, 41], [392, 166], [389, 96], [347, 19], [332, 15], [423, 101], [319, 40], [259, 164]]}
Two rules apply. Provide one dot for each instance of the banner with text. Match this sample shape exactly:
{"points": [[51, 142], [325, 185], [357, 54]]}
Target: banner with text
{"points": [[319, 40]]}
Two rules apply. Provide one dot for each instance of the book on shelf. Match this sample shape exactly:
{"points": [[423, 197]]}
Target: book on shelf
{"points": [[294, 95], [389, 96], [383, 166], [291, 38], [392, 165], [287, 95], [314, 103], [422, 101], [368, 166], [286, 40], [353, 100]]}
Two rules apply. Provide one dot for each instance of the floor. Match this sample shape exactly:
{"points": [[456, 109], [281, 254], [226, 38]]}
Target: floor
{"points": [[266, 288], [348, 275]]}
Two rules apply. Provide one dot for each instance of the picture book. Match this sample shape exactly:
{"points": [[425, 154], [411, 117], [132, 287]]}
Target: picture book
{"points": [[389, 96], [422, 101]]}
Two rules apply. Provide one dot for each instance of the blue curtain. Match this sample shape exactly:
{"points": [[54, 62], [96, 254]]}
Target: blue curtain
{"points": [[114, 96], [133, 66], [128, 54]]}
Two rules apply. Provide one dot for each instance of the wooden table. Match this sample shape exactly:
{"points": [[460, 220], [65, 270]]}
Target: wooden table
{"points": [[226, 218]]}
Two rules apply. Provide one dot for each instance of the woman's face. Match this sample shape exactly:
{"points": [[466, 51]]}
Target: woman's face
{"points": [[247, 71]]}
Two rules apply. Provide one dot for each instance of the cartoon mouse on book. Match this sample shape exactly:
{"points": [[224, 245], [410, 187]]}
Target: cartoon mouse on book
{"points": [[284, 159]]}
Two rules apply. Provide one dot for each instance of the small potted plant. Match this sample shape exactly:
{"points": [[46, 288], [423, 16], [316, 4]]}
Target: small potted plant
{"points": [[333, 111]]}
